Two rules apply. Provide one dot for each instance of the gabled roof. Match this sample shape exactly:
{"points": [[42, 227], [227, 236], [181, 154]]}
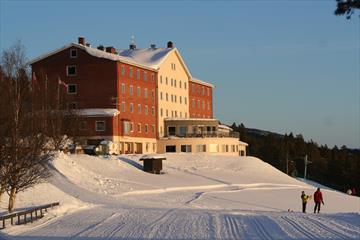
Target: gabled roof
{"points": [[94, 52], [149, 58], [152, 57]]}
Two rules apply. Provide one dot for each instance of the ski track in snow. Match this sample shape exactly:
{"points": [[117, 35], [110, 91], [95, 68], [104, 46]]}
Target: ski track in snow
{"points": [[111, 218]]}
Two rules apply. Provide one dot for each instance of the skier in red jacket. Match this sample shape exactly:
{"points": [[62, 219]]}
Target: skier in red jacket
{"points": [[318, 200]]}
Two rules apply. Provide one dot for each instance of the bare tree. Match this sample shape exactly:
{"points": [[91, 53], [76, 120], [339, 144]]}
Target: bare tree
{"points": [[23, 153]]}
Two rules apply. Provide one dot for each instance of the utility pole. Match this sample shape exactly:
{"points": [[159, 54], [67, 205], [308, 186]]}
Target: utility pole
{"points": [[306, 162], [287, 163]]}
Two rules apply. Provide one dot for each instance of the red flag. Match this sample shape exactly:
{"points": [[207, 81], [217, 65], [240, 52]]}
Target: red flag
{"points": [[60, 82]]}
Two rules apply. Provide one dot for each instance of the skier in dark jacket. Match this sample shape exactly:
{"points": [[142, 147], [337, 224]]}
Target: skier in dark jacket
{"points": [[318, 198], [304, 199]]}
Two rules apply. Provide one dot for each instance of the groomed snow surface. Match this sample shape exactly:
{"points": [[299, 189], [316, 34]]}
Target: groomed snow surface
{"points": [[197, 197]]}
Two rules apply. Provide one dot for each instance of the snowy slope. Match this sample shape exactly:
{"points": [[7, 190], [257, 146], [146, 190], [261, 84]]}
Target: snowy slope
{"points": [[197, 197]]}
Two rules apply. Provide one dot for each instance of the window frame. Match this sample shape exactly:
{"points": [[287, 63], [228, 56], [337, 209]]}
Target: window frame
{"points": [[96, 126]]}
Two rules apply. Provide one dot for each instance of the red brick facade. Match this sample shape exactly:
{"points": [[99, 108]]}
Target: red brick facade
{"points": [[200, 100], [99, 84]]}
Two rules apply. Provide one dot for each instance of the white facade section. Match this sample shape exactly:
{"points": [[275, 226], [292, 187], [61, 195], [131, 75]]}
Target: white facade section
{"points": [[173, 82]]}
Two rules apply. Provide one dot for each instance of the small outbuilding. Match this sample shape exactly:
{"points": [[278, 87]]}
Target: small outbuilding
{"points": [[153, 163]]}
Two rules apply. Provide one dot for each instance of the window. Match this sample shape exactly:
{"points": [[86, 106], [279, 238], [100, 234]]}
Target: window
{"points": [[185, 100], [139, 127], [73, 53], [146, 110], [138, 74], [170, 148], [139, 108], [174, 82], [185, 85], [127, 127], [146, 128], [182, 131], [175, 98], [138, 91], [201, 148], [123, 70], [180, 99], [167, 113], [208, 91], [171, 131], [152, 77], [193, 88], [131, 107], [71, 70], [145, 93], [160, 79], [167, 97], [198, 103], [203, 91], [100, 126], [123, 106], [175, 113], [123, 88], [153, 110], [161, 96], [131, 72], [172, 98], [185, 148], [153, 128], [145, 76], [131, 90], [208, 106], [185, 115], [180, 84], [131, 127], [71, 89], [83, 125], [180, 114], [161, 112], [166, 81], [203, 104], [193, 103]]}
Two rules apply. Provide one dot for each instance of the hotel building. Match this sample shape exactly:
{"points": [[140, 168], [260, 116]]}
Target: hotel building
{"points": [[142, 100]]}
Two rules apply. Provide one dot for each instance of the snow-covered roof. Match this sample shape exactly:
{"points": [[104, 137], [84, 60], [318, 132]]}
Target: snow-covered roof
{"points": [[98, 112], [150, 57], [225, 127], [243, 143], [153, 156], [191, 119], [195, 80], [93, 52]]}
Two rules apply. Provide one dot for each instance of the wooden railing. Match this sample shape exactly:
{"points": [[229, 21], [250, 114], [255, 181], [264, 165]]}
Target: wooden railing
{"points": [[26, 216]]}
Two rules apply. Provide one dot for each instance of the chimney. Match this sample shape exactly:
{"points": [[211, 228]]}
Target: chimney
{"points": [[81, 41], [170, 44], [101, 47], [88, 44], [110, 49], [153, 46], [132, 46]]}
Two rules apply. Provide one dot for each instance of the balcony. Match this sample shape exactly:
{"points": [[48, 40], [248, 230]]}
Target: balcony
{"points": [[205, 134]]}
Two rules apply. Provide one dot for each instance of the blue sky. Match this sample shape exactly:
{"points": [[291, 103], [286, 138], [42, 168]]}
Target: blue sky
{"points": [[283, 66]]}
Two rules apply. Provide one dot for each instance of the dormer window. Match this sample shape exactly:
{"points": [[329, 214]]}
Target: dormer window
{"points": [[73, 53], [71, 70]]}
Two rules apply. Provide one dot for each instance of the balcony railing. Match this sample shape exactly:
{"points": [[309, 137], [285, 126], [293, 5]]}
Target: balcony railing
{"points": [[206, 135]]}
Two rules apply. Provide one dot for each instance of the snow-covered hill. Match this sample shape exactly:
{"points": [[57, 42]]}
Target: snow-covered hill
{"points": [[197, 197]]}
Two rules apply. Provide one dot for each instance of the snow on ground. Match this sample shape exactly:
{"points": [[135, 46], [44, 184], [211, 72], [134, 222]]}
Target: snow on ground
{"points": [[197, 197]]}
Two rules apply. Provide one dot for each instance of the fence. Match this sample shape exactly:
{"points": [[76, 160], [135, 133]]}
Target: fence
{"points": [[26, 216]]}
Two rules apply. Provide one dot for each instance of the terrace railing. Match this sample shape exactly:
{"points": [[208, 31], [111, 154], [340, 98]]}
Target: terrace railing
{"points": [[26, 216]]}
